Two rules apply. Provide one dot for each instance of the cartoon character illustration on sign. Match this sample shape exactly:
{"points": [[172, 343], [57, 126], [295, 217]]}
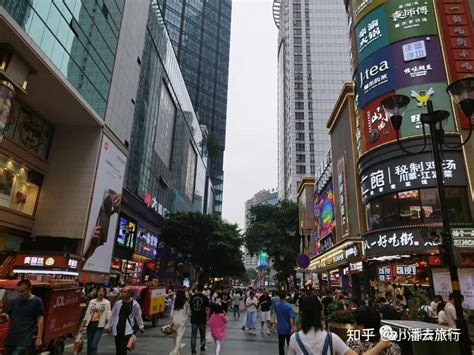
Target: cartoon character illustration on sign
{"points": [[422, 96]]}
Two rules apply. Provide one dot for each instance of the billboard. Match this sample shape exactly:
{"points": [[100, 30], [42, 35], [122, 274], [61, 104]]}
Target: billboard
{"points": [[103, 216], [324, 211], [262, 259], [126, 232], [146, 243]]}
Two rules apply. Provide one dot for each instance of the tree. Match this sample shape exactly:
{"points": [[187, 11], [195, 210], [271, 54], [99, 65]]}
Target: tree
{"points": [[252, 274], [268, 230], [214, 244]]}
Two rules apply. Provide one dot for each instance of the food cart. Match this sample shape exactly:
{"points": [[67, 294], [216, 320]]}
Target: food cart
{"points": [[151, 300], [61, 302]]}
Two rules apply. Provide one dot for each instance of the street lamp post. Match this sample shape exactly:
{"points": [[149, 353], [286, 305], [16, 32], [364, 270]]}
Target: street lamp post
{"points": [[462, 92]]}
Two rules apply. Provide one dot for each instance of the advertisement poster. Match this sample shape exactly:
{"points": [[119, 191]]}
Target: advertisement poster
{"points": [[126, 232], [100, 234], [324, 211], [442, 282], [409, 18], [466, 282], [371, 33], [262, 259], [146, 242]]}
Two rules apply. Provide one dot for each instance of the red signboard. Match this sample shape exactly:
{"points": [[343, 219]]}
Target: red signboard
{"points": [[457, 31]]}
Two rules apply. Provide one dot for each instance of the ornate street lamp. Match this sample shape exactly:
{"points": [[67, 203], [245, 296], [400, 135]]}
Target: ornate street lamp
{"points": [[462, 93]]}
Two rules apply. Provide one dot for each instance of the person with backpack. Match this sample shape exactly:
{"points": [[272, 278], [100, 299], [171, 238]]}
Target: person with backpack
{"points": [[313, 340]]}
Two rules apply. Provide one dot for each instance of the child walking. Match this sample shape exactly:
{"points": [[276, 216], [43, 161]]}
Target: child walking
{"points": [[217, 323]]}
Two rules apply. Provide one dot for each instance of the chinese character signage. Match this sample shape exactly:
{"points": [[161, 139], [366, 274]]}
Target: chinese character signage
{"points": [[453, 15], [371, 34], [410, 18], [374, 77], [324, 244], [397, 242], [360, 8], [410, 172], [385, 273], [341, 183]]}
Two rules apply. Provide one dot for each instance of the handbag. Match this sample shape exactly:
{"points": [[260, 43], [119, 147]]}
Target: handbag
{"points": [[328, 344], [132, 342], [168, 329]]}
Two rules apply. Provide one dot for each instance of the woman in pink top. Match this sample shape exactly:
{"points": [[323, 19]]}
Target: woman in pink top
{"points": [[217, 323]]}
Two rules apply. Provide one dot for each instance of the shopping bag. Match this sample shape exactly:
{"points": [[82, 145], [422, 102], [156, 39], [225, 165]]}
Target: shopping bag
{"points": [[168, 329], [209, 337], [132, 342], [78, 342]]}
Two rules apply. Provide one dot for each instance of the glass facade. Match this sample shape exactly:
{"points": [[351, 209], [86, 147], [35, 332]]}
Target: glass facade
{"points": [[79, 37], [200, 33], [416, 207], [166, 158]]}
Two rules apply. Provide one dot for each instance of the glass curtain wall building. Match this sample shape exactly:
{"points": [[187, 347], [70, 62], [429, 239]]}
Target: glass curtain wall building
{"points": [[166, 156], [313, 64], [79, 37], [200, 33]]}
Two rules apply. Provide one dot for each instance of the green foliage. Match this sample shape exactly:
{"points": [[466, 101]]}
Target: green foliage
{"points": [[214, 244], [340, 312], [252, 274], [268, 231], [210, 145]]}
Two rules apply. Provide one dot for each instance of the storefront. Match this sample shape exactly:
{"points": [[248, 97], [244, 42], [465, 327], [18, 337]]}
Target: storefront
{"points": [[43, 266], [135, 252]]}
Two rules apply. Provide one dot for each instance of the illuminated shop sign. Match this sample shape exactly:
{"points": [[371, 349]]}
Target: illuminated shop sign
{"points": [[46, 262], [355, 266], [352, 252], [326, 243], [360, 8], [152, 202], [397, 242], [385, 274], [405, 269], [410, 172], [341, 182]]}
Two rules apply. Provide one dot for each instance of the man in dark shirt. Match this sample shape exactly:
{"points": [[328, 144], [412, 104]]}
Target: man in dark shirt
{"points": [[265, 302], [25, 313], [199, 315]]}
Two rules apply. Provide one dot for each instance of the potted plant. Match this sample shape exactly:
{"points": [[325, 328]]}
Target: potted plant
{"points": [[340, 318]]}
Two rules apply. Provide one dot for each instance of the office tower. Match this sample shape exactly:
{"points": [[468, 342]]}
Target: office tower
{"points": [[313, 64], [200, 33], [268, 197]]}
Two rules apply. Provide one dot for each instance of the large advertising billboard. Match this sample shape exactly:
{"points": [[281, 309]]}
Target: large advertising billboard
{"points": [[324, 211], [103, 217]]}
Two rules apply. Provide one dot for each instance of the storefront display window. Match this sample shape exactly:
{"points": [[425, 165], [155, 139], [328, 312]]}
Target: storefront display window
{"points": [[417, 207], [19, 186]]}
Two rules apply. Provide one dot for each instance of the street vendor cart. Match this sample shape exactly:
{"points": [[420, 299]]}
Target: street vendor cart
{"points": [[61, 302], [151, 300]]}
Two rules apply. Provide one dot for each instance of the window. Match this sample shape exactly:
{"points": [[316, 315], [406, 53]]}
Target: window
{"points": [[311, 147], [297, 7], [299, 105], [300, 147], [298, 49], [297, 23], [313, 170], [311, 126], [299, 86], [310, 95], [298, 40], [383, 212], [298, 32], [299, 76], [300, 158], [301, 169], [300, 126], [298, 59], [409, 205], [310, 105], [299, 67], [310, 116], [300, 136], [311, 136], [299, 115], [311, 158], [299, 95]]}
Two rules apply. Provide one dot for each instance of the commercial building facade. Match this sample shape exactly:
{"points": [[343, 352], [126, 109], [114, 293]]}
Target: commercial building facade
{"points": [[313, 63], [102, 131], [200, 33]]}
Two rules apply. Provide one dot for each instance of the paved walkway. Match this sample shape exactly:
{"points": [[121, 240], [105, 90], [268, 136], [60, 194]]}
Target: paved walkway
{"points": [[237, 342]]}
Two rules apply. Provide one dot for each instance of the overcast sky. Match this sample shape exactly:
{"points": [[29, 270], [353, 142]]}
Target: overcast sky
{"points": [[250, 160]]}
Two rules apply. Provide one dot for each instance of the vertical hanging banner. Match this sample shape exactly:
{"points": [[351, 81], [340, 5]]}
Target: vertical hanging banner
{"points": [[103, 216]]}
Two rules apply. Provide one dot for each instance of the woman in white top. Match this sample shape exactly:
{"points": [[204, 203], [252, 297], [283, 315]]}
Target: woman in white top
{"points": [[97, 316], [313, 340], [179, 316], [251, 317]]}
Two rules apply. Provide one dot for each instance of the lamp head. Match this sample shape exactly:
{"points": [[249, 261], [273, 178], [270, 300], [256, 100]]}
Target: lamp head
{"points": [[395, 107], [462, 93]]}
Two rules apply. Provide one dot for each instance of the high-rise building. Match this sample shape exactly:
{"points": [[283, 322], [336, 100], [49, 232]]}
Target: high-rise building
{"points": [[313, 64], [263, 197], [200, 33]]}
